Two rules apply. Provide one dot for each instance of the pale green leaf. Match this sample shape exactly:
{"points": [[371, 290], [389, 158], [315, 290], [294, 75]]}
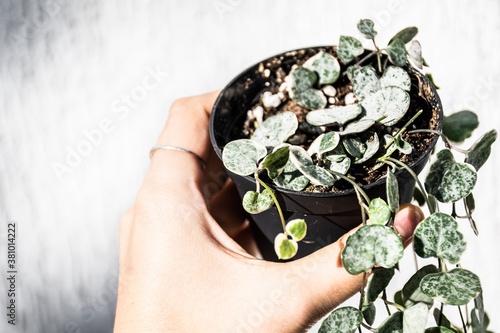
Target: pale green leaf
{"points": [[371, 245], [372, 146], [329, 142], [415, 53], [300, 79], [456, 287], [241, 156], [349, 48], [415, 318], [341, 166], [334, 115], [377, 282], [312, 99], [481, 149], [438, 236], [393, 324], [397, 53], [379, 211], [392, 102], [358, 126], [317, 175], [397, 77], [276, 129], [459, 126], [411, 292], [354, 146], [291, 178], [275, 162], [256, 203], [336, 155], [342, 320], [392, 191], [297, 229], [285, 248], [366, 28], [365, 81], [325, 65]]}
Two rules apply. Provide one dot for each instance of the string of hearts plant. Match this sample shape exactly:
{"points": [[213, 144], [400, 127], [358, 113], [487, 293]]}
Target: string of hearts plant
{"points": [[367, 132]]}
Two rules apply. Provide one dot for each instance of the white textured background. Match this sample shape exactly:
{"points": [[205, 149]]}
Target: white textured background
{"points": [[67, 66]]}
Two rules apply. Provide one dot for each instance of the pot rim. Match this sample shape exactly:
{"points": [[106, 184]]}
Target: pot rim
{"points": [[322, 194]]}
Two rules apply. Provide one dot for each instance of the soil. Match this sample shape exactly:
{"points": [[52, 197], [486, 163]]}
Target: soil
{"points": [[278, 68]]}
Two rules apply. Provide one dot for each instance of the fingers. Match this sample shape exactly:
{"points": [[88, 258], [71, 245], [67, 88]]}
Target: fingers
{"points": [[321, 278]]}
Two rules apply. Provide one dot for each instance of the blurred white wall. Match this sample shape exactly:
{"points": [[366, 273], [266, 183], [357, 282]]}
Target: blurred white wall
{"points": [[74, 70]]}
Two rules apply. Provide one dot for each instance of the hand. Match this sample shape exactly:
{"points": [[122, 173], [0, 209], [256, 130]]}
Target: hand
{"points": [[185, 250]]}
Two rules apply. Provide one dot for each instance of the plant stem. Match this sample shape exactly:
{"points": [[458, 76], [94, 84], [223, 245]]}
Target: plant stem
{"points": [[371, 54], [397, 306], [384, 297], [462, 318], [371, 329], [441, 314], [443, 137], [403, 128], [415, 256], [356, 186], [471, 220], [414, 175], [361, 299], [379, 62], [271, 192]]}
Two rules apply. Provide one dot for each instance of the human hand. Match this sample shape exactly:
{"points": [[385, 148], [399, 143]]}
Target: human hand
{"points": [[186, 260]]}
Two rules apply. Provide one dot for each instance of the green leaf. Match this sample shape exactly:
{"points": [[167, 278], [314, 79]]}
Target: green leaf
{"points": [[354, 146], [393, 324], [396, 77], [369, 246], [336, 155], [365, 81], [297, 229], [401, 145], [341, 166], [406, 35], [480, 320], [448, 180], [325, 65], [372, 146], [276, 129], [481, 149], [275, 162], [358, 126], [256, 203], [439, 329], [456, 287], [418, 197], [241, 156], [329, 142], [311, 99], [379, 211], [443, 322], [334, 115], [351, 71], [300, 79], [411, 293], [470, 203], [349, 48], [431, 79], [342, 320], [303, 162], [291, 178], [392, 102], [415, 318], [366, 28], [459, 126], [398, 298], [438, 236], [377, 282], [369, 314], [392, 191], [285, 248], [396, 51]]}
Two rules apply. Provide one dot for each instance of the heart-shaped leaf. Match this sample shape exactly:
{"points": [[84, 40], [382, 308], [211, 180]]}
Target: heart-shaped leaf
{"points": [[366, 28], [415, 318], [459, 126], [396, 77], [334, 115], [297, 229], [276, 161], [372, 146], [354, 146], [241, 156], [438, 236], [325, 65], [406, 35], [302, 161], [369, 314], [349, 48], [392, 191], [415, 53], [377, 282], [285, 248], [480, 151], [448, 180], [291, 178], [365, 81], [311, 99], [398, 299], [393, 324], [371, 245], [342, 320], [456, 287], [351, 71], [276, 129], [392, 102], [336, 155], [341, 166], [411, 293], [358, 126], [256, 203], [329, 142], [396, 51], [300, 79], [379, 211]]}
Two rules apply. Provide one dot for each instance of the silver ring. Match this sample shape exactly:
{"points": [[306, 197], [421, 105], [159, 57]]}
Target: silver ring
{"points": [[204, 165]]}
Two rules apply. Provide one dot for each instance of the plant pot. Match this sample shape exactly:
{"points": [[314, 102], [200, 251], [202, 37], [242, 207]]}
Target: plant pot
{"points": [[328, 215]]}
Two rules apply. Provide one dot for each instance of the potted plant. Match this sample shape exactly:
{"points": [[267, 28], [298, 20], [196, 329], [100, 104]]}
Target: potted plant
{"points": [[319, 139]]}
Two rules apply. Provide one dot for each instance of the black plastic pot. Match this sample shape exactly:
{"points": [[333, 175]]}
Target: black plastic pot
{"points": [[328, 215]]}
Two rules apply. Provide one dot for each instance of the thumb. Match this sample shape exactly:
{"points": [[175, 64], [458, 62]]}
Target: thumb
{"points": [[322, 281]]}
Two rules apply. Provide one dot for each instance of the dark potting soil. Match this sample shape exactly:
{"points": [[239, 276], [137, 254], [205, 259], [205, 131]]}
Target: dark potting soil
{"points": [[278, 68]]}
